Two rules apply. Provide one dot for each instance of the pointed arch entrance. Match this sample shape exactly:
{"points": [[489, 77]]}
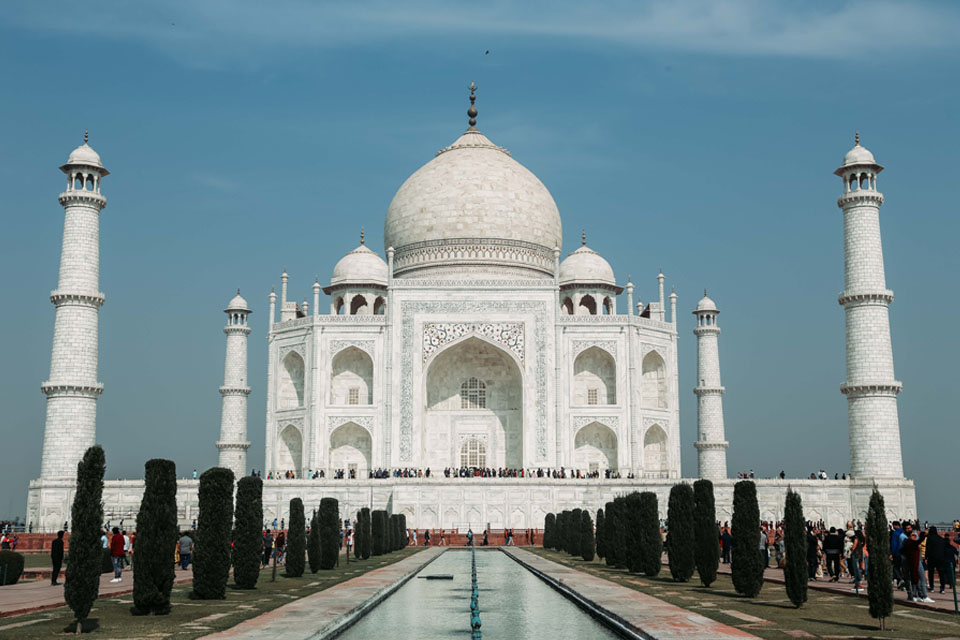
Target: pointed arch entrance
{"points": [[351, 449], [473, 391]]}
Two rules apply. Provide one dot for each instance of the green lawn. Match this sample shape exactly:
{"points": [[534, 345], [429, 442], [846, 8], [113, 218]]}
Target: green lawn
{"points": [[38, 561], [824, 614], [195, 618]]}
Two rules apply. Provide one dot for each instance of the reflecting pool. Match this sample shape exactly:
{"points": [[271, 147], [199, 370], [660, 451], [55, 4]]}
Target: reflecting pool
{"points": [[514, 603]]}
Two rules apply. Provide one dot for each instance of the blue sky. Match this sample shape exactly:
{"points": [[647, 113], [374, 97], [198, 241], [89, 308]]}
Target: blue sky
{"points": [[695, 137]]}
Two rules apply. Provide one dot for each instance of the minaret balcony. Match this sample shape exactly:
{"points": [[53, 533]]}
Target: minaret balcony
{"points": [[234, 391], [82, 299], [884, 297], [82, 196], [709, 391], [865, 196], [875, 388], [69, 389]]}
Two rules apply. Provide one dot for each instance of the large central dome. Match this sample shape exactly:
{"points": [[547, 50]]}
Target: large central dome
{"points": [[473, 205]]}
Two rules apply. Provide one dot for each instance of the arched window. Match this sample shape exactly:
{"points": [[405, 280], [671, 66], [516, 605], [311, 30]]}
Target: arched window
{"points": [[588, 306], [608, 306], [90, 183], [78, 182], [351, 378], [338, 306], [594, 378], [566, 307], [473, 454], [473, 394], [655, 459], [359, 305], [654, 388], [290, 389], [379, 306]]}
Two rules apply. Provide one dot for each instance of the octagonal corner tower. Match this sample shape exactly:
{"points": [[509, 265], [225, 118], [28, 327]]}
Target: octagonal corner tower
{"points": [[473, 206]]}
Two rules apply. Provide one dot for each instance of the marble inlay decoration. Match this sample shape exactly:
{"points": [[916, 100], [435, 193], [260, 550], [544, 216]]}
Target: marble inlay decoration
{"points": [[438, 334]]}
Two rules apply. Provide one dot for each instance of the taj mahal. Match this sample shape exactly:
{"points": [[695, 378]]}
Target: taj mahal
{"points": [[475, 342]]}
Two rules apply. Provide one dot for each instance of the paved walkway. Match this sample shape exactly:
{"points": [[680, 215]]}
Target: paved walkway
{"points": [[324, 612], [653, 617], [942, 601], [37, 595]]}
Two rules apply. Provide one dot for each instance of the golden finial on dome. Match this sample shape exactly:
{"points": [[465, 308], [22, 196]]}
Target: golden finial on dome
{"points": [[361, 235], [86, 136], [583, 237], [857, 139], [472, 111]]}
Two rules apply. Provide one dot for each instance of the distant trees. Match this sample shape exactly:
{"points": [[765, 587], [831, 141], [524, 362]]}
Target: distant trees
{"points": [[329, 521], [296, 540], [707, 537], [211, 556], [795, 545], [746, 566], [880, 575], [86, 515], [247, 539], [680, 532], [586, 536], [156, 534]]}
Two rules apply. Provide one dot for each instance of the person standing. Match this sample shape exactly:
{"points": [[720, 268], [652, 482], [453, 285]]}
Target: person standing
{"points": [[185, 546], [267, 547], [56, 557], [469, 537], [126, 548], [725, 541], [832, 548], [116, 554]]}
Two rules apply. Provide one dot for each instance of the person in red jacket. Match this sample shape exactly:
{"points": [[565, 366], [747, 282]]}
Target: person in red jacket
{"points": [[116, 554]]}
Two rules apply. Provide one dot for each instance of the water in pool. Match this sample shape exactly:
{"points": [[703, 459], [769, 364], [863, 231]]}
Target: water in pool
{"points": [[514, 603]]}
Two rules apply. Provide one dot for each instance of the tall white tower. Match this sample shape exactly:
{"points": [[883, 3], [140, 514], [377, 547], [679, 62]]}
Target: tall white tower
{"points": [[871, 388], [233, 442], [72, 389], [711, 444]]}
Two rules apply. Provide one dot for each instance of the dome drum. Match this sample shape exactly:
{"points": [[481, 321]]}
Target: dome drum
{"points": [[512, 258]]}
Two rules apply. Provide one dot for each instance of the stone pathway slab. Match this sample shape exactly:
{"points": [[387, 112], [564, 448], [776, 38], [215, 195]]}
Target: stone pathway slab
{"points": [[654, 618], [326, 612]]}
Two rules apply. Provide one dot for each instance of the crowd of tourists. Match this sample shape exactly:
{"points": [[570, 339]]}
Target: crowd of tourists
{"points": [[452, 472], [922, 555]]}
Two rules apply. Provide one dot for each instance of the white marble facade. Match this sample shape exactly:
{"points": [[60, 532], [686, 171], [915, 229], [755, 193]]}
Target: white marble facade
{"points": [[474, 344]]}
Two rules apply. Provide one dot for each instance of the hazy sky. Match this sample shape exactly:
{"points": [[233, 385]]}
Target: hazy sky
{"points": [[699, 137]]}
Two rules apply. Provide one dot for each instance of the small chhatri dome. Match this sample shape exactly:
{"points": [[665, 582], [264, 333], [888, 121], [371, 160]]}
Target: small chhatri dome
{"points": [[360, 266], [586, 266], [858, 156], [706, 304], [237, 303], [84, 155]]}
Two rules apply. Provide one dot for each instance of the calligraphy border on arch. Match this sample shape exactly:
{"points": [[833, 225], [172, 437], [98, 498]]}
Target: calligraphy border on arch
{"points": [[408, 310]]}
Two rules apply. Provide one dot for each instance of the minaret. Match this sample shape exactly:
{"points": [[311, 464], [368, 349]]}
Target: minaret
{"points": [[233, 442], [711, 444], [871, 388], [72, 389]]}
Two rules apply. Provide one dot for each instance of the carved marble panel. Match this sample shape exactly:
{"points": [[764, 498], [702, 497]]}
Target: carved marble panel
{"points": [[610, 346], [336, 346], [437, 334], [335, 421]]}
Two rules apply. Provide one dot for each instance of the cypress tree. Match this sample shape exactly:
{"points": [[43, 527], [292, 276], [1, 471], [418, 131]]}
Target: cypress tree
{"points": [[880, 576], [746, 562], [610, 526], [357, 537], [404, 538], [211, 554], [296, 540], [651, 544], [329, 520], [573, 528], [632, 539], [247, 538], [563, 543], [549, 523], [86, 516], [586, 536], [795, 544], [378, 531], [600, 539], [153, 572], [707, 551], [314, 549], [680, 532], [367, 534]]}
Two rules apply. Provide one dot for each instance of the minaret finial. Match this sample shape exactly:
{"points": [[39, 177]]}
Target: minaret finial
{"points": [[472, 111], [238, 290], [86, 136], [361, 235], [583, 237], [857, 138], [704, 292]]}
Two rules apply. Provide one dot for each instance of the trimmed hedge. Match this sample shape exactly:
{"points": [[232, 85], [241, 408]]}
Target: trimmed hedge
{"points": [[11, 567], [707, 552], [549, 523], [573, 532], [153, 570], [247, 535], [600, 540], [680, 532], [314, 548], [630, 525], [329, 520], [880, 576], [746, 562], [587, 549], [211, 554], [405, 539], [367, 533], [611, 527], [795, 544], [651, 544], [378, 532], [86, 552], [296, 540]]}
